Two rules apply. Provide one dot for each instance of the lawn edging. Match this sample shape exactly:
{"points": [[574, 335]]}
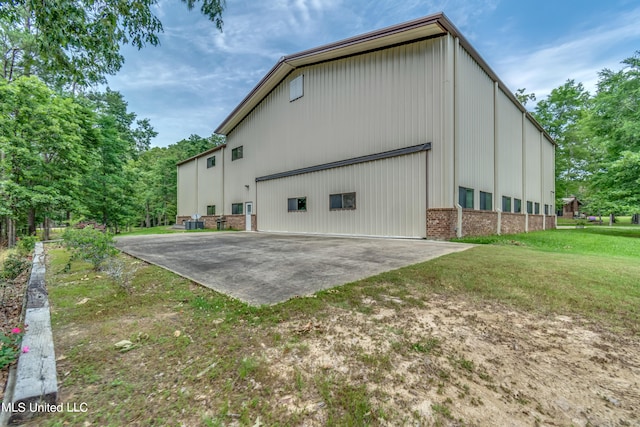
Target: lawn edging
{"points": [[35, 386]]}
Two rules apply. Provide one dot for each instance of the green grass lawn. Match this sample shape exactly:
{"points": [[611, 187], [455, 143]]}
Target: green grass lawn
{"points": [[189, 341], [621, 221]]}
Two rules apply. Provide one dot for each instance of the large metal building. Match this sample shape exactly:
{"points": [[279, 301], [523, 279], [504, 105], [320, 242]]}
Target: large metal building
{"points": [[402, 132]]}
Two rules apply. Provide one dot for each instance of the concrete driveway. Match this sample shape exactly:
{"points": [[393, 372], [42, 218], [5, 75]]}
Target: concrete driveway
{"points": [[268, 268]]}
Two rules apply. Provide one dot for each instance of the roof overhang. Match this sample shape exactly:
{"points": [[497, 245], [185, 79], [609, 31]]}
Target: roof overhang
{"points": [[204, 153]]}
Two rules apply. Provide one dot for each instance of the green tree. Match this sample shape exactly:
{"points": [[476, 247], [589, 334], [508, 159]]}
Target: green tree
{"points": [[613, 126], [524, 97], [108, 193], [71, 43], [42, 156], [560, 114]]}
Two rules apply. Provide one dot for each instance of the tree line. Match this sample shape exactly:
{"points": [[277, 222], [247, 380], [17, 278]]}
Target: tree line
{"points": [[67, 151], [598, 139], [85, 156]]}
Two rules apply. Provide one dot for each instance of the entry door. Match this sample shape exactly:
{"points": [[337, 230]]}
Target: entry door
{"points": [[248, 208]]}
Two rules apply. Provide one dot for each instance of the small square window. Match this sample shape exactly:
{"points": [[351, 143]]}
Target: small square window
{"points": [[465, 197], [506, 204], [517, 205], [486, 201], [342, 201], [537, 211], [236, 153], [297, 204], [236, 209], [211, 162], [296, 88], [211, 210]]}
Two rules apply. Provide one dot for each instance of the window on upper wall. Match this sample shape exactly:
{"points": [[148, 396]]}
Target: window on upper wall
{"points": [[486, 200], [465, 197], [537, 211], [506, 204], [529, 207], [296, 88], [211, 162], [236, 153], [546, 209], [211, 210], [297, 204], [342, 201], [236, 208], [517, 205]]}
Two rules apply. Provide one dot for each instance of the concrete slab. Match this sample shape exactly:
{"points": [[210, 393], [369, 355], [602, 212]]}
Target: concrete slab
{"points": [[268, 268]]}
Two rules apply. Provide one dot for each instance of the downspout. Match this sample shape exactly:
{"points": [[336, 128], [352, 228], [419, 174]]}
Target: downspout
{"points": [[544, 214], [459, 223], [222, 154], [496, 174], [456, 135], [523, 203], [197, 160]]}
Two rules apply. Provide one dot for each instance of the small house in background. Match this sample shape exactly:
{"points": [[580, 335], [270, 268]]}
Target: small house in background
{"points": [[401, 132], [571, 207]]}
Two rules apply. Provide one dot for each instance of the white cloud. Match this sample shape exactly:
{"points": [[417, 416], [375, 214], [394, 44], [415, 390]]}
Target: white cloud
{"points": [[579, 57]]}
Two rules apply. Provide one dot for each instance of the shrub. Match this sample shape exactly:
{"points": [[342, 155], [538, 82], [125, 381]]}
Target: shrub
{"points": [[118, 271], [26, 244], [90, 245], [14, 265], [10, 347]]}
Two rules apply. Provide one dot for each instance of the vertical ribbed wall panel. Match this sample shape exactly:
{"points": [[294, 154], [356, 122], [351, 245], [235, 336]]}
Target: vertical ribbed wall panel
{"points": [[509, 148], [548, 162], [351, 107], [534, 163], [209, 184], [476, 125], [187, 189], [390, 199]]}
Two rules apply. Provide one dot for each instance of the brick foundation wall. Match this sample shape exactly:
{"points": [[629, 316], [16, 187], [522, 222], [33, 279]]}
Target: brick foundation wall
{"points": [[442, 223], [237, 222], [535, 222], [479, 223], [551, 222], [512, 223]]}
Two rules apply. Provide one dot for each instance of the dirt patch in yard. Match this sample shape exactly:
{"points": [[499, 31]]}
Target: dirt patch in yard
{"points": [[453, 361], [395, 358]]}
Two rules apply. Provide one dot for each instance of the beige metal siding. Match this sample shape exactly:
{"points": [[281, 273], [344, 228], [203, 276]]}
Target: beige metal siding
{"points": [[441, 179], [390, 199], [475, 126], [199, 186], [210, 183], [509, 149], [548, 161], [187, 188], [351, 107], [533, 163]]}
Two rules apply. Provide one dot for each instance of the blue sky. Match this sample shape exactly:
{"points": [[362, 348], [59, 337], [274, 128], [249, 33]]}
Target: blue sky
{"points": [[197, 76]]}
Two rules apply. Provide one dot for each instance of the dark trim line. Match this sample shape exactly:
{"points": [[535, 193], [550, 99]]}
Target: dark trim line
{"points": [[348, 162], [204, 153]]}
